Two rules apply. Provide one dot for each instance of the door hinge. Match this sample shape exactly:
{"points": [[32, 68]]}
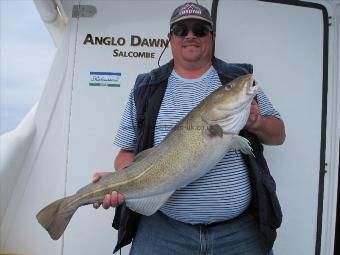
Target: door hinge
{"points": [[83, 11]]}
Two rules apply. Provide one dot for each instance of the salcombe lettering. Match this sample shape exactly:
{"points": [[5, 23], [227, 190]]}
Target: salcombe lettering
{"points": [[133, 54]]}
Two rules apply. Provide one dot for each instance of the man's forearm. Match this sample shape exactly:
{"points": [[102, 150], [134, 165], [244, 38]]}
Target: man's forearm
{"points": [[123, 159], [270, 130]]}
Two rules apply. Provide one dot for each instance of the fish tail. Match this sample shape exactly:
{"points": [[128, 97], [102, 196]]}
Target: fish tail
{"points": [[56, 216]]}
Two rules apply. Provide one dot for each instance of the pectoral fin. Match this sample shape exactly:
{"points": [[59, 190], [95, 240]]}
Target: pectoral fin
{"points": [[242, 144], [147, 205], [216, 130]]}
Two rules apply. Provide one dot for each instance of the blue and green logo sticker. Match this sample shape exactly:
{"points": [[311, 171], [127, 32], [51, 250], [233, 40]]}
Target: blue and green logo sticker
{"points": [[105, 79]]}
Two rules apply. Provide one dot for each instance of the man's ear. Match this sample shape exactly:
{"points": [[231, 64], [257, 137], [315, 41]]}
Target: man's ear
{"points": [[213, 35], [169, 36]]}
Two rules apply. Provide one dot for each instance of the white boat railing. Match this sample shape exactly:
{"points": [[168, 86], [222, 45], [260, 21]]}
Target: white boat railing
{"points": [[14, 146]]}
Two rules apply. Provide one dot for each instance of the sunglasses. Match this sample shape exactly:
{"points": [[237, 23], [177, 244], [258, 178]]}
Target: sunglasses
{"points": [[198, 29]]}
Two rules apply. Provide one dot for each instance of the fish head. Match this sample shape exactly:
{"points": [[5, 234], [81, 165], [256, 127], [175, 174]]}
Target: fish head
{"points": [[232, 100], [239, 92]]}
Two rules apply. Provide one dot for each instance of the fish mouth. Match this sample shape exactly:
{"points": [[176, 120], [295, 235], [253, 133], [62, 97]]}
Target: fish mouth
{"points": [[253, 89]]}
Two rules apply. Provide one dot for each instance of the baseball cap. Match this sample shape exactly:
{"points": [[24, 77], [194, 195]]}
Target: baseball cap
{"points": [[190, 11]]}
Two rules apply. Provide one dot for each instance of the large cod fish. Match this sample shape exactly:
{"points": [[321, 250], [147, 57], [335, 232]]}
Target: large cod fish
{"points": [[194, 146]]}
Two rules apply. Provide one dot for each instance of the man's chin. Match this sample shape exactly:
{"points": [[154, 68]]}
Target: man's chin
{"points": [[191, 58]]}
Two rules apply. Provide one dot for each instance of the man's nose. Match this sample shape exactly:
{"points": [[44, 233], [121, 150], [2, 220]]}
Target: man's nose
{"points": [[190, 35]]}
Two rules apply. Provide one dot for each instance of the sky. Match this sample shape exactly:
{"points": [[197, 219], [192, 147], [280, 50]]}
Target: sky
{"points": [[26, 53]]}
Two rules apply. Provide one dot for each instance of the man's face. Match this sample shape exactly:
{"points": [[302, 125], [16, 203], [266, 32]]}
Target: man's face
{"points": [[188, 46]]}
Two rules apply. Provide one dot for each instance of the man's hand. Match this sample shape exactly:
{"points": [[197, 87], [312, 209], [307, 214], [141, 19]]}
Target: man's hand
{"points": [[269, 129], [255, 118], [110, 200], [123, 159]]}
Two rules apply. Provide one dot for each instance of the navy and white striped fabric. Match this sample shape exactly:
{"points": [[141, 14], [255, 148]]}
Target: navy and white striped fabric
{"points": [[224, 192]]}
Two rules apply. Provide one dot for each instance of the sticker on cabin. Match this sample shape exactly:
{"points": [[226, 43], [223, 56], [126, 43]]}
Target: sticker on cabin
{"points": [[104, 79]]}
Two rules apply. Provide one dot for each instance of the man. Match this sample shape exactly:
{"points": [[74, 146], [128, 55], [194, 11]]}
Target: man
{"points": [[227, 211]]}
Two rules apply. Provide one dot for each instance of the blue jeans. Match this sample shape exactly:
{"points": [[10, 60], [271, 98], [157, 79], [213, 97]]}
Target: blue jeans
{"points": [[161, 235]]}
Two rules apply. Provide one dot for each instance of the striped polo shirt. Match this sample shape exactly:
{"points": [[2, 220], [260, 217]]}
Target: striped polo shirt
{"points": [[224, 192]]}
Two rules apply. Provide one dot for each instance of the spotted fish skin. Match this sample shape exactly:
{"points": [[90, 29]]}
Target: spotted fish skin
{"points": [[195, 145]]}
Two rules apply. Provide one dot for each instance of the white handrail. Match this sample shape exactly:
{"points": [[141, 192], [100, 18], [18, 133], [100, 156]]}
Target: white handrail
{"points": [[14, 146]]}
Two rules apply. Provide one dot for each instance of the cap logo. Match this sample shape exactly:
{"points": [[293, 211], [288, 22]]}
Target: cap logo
{"points": [[190, 9]]}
